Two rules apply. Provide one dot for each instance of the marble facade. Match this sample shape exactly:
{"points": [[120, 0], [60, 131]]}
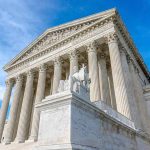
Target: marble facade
{"points": [[51, 112]]}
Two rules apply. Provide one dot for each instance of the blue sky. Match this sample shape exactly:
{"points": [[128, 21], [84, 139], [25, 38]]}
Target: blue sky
{"points": [[21, 21]]}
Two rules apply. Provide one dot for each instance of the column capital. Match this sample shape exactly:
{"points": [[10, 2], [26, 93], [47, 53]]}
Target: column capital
{"points": [[43, 68], [9, 82], [19, 78], [30, 73], [91, 46], [112, 37], [102, 55], [58, 61], [73, 54]]}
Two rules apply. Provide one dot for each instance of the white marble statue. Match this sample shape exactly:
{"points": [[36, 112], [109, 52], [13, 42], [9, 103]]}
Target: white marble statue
{"points": [[78, 83]]}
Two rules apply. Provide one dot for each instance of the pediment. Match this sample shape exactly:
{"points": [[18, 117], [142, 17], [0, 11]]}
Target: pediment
{"points": [[56, 34]]}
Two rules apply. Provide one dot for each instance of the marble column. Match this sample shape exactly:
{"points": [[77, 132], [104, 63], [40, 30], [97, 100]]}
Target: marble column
{"points": [[111, 87], [67, 73], [73, 62], [51, 83], [121, 94], [13, 111], [39, 96], [103, 78], [26, 109], [18, 113], [5, 104], [93, 72], [57, 74], [129, 85], [138, 91]]}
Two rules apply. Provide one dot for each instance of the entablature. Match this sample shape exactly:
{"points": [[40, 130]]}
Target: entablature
{"points": [[72, 41], [58, 39]]}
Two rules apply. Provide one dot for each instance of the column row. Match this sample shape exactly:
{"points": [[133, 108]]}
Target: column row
{"points": [[110, 83], [98, 90], [128, 89]]}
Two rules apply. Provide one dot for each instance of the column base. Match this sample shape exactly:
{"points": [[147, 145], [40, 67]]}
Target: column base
{"points": [[31, 139], [6, 143], [68, 146], [18, 141]]}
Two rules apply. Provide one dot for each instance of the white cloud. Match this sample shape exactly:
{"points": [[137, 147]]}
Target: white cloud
{"points": [[20, 22], [18, 27]]}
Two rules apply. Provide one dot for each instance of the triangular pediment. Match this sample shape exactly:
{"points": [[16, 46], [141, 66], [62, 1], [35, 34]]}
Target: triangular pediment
{"points": [[55, 34]]}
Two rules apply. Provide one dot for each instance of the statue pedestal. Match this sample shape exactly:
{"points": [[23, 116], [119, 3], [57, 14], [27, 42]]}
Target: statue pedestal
{"points": [[67, 121]]}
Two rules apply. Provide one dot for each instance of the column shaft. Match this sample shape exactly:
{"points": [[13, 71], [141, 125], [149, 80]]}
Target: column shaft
{"points": [[39, 96], [51, 83], [26, 109], [103, 79], [111, 88], [14, 110], [18, 113], [130, 90], [93, 73], [67, 74], [5, 104], [57, 74], [74, 62], [121, 94]]}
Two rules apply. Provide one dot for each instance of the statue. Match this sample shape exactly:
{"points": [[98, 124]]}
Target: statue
{"points": [[78, 83], [80, 78]]}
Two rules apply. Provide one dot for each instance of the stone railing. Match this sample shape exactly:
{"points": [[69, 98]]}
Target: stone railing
{"points": [[114, 114]]}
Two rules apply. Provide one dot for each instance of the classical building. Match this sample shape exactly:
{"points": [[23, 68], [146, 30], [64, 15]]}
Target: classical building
{"points": [[79, 86]]}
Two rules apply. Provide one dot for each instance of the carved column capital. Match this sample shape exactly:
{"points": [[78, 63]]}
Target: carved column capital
{"points": [[112, 37], [9, 82], [19, 78], [74, 54], [91, 46], [58, 61], [42, 68], [30, 73], [102, 55]]}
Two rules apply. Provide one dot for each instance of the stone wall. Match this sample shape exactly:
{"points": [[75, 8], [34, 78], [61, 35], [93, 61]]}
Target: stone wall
{"points": [[76, 124], [93, 130]]}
